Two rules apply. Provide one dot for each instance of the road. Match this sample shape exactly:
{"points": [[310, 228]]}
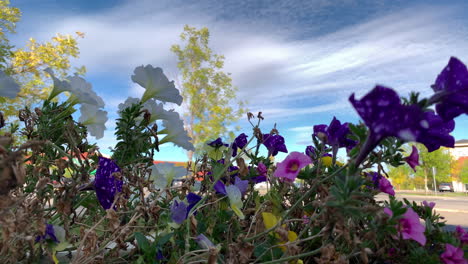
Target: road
{"points": [[454, 209]]}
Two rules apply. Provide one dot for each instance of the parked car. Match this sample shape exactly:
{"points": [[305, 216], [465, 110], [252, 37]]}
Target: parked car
{"points": [[445, 187]]}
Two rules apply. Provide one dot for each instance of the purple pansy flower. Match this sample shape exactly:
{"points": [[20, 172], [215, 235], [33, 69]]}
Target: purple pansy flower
{"points": [[413, 158], [274, 144], [451, 90], [217, 143], [385, 116], [178, 211], [239, 142], [49, 234], [105, 184]]}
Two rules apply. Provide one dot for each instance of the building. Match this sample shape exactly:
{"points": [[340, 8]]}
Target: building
{"points": [[460, 154], [460, 150]]}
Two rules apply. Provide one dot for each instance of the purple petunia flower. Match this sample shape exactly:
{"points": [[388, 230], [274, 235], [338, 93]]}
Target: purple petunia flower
{"points": [[451, 90], [105, 184], [413, 158], [382, 183], [239, 142], [217, 143], [242, 185], [453, 255], [274, 144], [178, 211], [192, 199], [49, 234], [436, 132], [462, 234], [310, 151], [262, 173], [385, 116], [335, 134], [430, 204], [204, 242]]}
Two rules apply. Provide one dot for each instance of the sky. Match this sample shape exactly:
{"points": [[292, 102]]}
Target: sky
{"points": [[296, 61]]}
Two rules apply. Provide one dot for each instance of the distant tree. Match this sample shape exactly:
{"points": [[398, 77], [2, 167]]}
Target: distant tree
{"points": [[439, 159], [400, 177], [26, 65], [463, 175], [209, 96]]}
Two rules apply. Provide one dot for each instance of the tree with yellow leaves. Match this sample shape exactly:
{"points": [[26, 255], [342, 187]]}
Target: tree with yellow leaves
{"points": [[26, 65]]}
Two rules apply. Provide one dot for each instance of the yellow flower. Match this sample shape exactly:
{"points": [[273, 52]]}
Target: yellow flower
{"points": [[327, 161]]}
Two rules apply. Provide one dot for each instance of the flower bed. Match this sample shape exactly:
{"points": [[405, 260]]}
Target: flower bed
{"points": [[131, 211]]}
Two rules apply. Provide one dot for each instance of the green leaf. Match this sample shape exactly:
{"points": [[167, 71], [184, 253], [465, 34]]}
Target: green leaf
{"points": [[142, 241]]}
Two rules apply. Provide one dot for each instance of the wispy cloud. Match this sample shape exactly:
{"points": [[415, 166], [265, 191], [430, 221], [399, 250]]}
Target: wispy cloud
{"points": [[281, 68]]}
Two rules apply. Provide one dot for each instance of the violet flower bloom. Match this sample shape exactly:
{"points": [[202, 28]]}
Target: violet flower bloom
{"points": [[385, 116], [274, 144], [430, 204], [290, 167], [413, 158], [409, 226], [242, 185], [178, 211], [436, 132], [310, 151], [335, 134], [204, 242], [453, 255], [105, 184], [382, 183], [385, 186], [462, 235], [262, 171], [217, 143], [192, 199], [239, 142], [451, 90], [49, 234]]}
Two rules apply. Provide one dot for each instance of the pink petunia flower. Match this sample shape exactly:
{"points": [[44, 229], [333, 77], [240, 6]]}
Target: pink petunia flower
{"points": [[289, 168], [453, 255], [409, 226], [413, 159], [385, 186], [430, 204]]}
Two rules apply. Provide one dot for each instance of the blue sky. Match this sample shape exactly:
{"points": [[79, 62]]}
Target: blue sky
{"points": [[296, 61]]}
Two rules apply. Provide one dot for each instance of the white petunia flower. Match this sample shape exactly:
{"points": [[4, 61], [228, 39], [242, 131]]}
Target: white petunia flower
{"points": [[83, 91], [156, 84], [156, 110], [8, 86], [59, 85], [163, 174], [94, 119], [176, 134]]}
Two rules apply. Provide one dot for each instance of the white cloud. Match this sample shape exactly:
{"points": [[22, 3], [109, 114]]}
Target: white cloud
{"points": [[278, 73]]}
